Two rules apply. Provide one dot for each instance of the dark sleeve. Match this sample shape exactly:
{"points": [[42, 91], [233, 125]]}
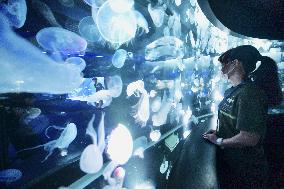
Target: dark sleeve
{"points": [[251, 113]]}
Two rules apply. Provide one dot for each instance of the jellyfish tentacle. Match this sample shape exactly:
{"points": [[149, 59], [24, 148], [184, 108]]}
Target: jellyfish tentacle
{"points": [[91, 131], [52, 126], [31, 148], [101, 134]]}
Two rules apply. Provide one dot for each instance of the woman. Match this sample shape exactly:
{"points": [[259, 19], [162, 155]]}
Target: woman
{"points": [[242, 114]]}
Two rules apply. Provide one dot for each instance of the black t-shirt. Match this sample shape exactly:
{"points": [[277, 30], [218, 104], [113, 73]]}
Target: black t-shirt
{"points": [[243, 108]]}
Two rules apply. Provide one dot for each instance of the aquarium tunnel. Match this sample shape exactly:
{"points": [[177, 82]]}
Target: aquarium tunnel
{"points": [[112, 94]]}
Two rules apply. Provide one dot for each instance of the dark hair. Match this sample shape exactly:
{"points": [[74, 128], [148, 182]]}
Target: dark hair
{"points": [[265, 76]]}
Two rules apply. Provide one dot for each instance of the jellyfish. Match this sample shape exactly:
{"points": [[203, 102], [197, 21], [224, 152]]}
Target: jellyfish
{"points": [[30, 114], [116, 27], [16, 12], [160, 118], [61, 40], [77, 61], [10, 175], [114, 85], [167, 47], [141, 111], [88, 29], [91, 160], [67, 3], [155, 135], [103, 95], [157, 14], [67, 136], [156, 104], [119, 148], [121, 6], [24, 68], [119, 58], [134, 88], [141, 21], [46, 12]]}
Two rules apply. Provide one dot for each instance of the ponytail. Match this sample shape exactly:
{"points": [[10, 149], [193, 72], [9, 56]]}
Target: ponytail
{"points": [[266, 77]]}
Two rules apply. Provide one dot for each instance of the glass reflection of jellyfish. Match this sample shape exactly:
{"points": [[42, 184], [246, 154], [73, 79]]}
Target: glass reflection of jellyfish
{"points": [[16, 12], [114, 85], [67, 136], [119, 58], [88, 29], [10, 175], [67, 3], [91, 160], [61, 40], [116, 27], [77, 61]]}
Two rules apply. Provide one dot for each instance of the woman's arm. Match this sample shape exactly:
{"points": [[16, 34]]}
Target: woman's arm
{"points": [[243, 139]]}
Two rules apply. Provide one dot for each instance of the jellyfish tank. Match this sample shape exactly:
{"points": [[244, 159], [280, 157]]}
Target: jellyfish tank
{"points": [[113, 94]]}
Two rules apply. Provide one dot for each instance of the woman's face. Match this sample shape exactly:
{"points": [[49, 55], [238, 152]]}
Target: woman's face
{"points": [[228, 67]]}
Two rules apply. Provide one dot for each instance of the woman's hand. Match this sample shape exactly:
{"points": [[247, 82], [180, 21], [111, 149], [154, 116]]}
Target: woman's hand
{"points": [[210, 135]]}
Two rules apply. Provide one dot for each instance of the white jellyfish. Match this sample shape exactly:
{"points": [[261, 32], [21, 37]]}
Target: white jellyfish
{"points": [[67, 136], [121, 6], [119, 148], [16, 11], [88, 29], [35, 71], [156, 104], [119, 58], [77, 61], [155, 135], [157, 14], [116, 27], [134, 88], [159, 118], [103, 95], [167, 47], [30, 114], [61, 40], [141, 111], [91, 160], [114, 85], [141, 21]]}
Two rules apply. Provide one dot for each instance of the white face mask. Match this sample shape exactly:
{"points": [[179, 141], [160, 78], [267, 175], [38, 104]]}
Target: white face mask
{"points": [[226, 75]]}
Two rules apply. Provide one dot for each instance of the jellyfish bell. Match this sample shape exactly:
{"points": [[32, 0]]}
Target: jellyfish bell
{"points": [[121, 6], [119, 58], [61, 40], [120, 145], [16, 12], [77, 61], [91, 160], [88, 29], [116, 27]]}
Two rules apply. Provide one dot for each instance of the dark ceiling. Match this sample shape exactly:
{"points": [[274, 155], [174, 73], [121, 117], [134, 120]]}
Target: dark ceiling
{"points": [[253, 18]]}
